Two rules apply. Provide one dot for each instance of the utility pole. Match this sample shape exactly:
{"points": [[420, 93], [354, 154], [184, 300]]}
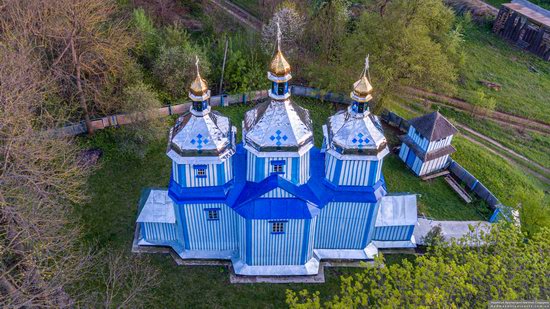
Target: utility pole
{"points": [[223, 65]]}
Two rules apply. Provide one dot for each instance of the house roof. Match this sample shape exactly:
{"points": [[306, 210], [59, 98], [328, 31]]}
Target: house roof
{"points": [[534, 12], [157, 207], [397, 210], [433, 126]]}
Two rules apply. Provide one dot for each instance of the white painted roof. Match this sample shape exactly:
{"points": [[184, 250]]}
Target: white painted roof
{"points": [[397, 210], [351, 130], [278, 124], [158, 208]]}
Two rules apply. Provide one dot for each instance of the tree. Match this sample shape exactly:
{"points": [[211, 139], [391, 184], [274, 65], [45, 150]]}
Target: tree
{"points": [[41, 177], [501, 265], [411, 43], [80, 42], [481, 104], [292, 25], [174, 67], [140, 107]]}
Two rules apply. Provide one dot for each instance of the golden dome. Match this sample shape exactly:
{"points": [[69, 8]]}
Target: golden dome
{"points": [[362, 87], [279, 66], [199, 87]]}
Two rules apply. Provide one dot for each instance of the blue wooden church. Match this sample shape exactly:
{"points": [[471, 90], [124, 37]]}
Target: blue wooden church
{"points": [[275, 204]]}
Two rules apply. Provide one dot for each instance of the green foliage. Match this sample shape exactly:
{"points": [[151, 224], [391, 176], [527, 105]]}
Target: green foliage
{"points": [[245, 67], [503, 266], [535, 211], [414, 43], [174, 67], [147, 47], [482, 103], [140, 106]]}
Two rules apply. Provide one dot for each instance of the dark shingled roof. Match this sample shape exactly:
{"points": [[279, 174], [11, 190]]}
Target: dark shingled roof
{"points": [[426, 156], [433, 126]]}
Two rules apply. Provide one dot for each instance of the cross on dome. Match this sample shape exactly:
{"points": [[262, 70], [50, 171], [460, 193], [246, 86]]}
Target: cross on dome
{"points": [[362, 89]]}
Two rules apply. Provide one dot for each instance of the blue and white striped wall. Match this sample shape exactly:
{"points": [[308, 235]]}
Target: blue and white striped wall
{"points": [[425, 144], [393, 233], [295, 169], [202, 234], [277, 193], [419, 167], [352, 172], [345, 225], [216, 174], [159, 232], [261, 247]]}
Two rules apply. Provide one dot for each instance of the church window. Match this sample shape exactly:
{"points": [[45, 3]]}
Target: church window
{"points": [[277, 227], [213, 214], [277, 166], [200, 171]]}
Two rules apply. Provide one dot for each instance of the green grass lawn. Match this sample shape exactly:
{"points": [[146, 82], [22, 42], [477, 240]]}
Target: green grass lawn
{"points": [[525, 78], [108, 220], [532, 145]]}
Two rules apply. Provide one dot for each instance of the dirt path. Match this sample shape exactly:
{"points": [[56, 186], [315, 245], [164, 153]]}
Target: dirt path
{"points": [[500, 117], [239, 14], [502, 147]]}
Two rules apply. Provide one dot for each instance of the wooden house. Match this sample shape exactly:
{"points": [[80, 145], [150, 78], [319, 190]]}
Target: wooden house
{"points": [[526, 25]]}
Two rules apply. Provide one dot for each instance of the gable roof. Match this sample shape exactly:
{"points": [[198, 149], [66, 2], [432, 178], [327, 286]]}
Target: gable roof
{"points": [[433, 126]]}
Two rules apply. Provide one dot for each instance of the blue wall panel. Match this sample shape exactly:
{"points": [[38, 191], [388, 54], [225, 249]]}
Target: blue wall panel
{"points": [[278, 249], [204, 234], [344, 225], [159, 232], [393, 233]]}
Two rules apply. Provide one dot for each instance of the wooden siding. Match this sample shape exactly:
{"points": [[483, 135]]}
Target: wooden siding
{"points": [[393, 233], [204, 234], [295, 169], [345, 225], [216, 174]]}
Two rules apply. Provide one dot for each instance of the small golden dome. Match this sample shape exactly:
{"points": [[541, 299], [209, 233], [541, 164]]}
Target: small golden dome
{"points": [[199, 87], [279, 66], [362, 87]]}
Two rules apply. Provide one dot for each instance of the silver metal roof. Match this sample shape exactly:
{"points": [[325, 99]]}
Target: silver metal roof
{"points": [[350, 132], [158, 208], [206, 133], [277, 126], [397, 210]]}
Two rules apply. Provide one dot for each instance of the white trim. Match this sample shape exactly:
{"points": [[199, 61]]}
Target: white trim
{"points": [[286, 154], [204, 97], [278, 79], [340, 156], [201, 113], [310, 268], [174, 156], [395, 244], [347, 254]]}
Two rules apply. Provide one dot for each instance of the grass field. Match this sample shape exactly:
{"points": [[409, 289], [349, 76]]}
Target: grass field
{"points": [[525, 78], [108, 220], [497, 175]]}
